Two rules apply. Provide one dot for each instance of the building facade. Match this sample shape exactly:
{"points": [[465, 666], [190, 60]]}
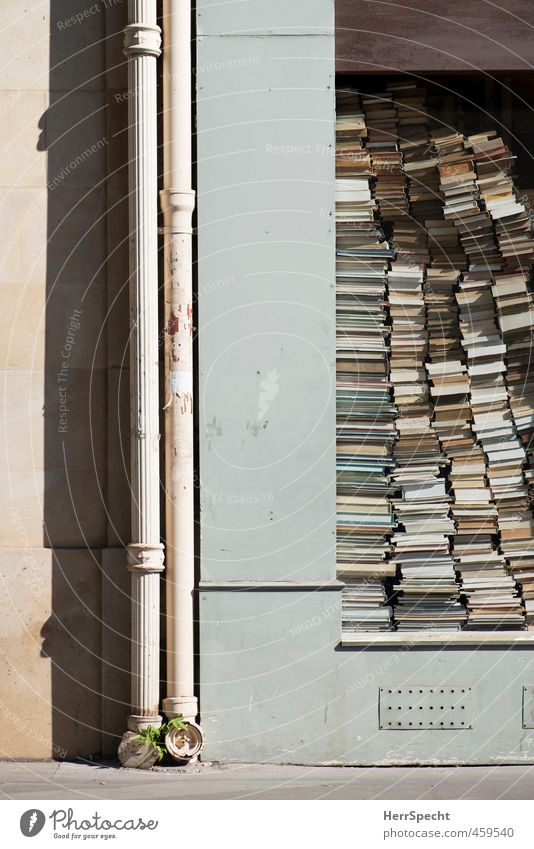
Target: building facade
{"points": [[276, 680]]}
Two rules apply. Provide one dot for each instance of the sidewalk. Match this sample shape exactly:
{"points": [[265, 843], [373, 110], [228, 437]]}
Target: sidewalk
{"points": [[51, 780]]}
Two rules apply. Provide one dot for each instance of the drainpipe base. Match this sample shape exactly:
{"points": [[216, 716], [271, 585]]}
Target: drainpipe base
{"points": [[136, 754], [184, 744]]}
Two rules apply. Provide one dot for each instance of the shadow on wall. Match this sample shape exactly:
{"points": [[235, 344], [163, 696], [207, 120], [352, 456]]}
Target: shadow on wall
{"points": [[86, 507]]}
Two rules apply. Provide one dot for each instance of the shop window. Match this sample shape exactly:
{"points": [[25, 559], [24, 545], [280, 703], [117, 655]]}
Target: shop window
{"points": [[435, 380]]}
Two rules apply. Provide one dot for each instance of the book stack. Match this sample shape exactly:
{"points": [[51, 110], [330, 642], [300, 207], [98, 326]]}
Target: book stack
{"points": [[475, 515], [442, 316], [352, 159], [423, 182], [491, 420], [419, 167], [473, 511], [421, 549], [514, 488], [364, 607], [461, 200], [388, 115], [514, 304], [493, 602], [380, 120], [350, 122], [412, 128], [450, 394], [430, 602], [494, 161], [445, 247], [489, 590], [365, 412], [491, 595], [512, 283], [435, 603], [426, 594], [446, 251], [390, 181]]}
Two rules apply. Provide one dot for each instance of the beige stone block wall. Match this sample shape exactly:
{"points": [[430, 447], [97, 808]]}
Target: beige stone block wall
{"points": [[64, 496], [50, 667], [115, 648]]}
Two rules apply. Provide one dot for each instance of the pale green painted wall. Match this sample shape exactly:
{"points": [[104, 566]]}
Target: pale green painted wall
{"points": [[275, 685]]}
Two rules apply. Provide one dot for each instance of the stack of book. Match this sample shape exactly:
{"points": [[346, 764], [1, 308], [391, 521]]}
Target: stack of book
{"points": [[386, 160], [365, 412], [420, 160], [428, 594], [350, 122], [429, 598], [514, 488], [493, 161], [352, 159], [364, 607], [442, 318], [492, 597], [380, 120], [408, 236], [446, 251], [514, 305], [512, 282], [444, 242], [452, 413], [492, 601], [473, 510], [484, 367], [489, 589], [475, 516]]}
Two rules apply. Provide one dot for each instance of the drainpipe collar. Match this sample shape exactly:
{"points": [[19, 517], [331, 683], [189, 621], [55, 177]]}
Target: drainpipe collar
{"points": [[141, 723], [143, 557], [142, 40], [177, 208], [186, 706]]}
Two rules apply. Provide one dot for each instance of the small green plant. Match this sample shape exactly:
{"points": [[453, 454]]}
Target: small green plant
{"points": [[155, 737], [152, 737]]}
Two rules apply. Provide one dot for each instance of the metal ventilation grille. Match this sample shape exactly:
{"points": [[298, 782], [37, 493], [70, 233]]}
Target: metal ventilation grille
{"points": [[417, 708]]}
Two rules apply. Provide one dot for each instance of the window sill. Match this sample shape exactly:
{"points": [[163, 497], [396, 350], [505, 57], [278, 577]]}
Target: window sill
{"points": [[439, 638]]}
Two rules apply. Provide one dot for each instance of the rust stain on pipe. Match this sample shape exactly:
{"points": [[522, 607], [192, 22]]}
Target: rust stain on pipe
{"points": [[173, 324]]}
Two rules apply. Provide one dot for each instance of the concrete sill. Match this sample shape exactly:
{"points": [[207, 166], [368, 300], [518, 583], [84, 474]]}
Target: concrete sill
{"points": [[439, 638]]}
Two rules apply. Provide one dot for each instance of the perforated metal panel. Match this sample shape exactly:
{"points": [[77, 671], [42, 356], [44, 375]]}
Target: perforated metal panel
{"points": [[528, 707], [416, 708]]}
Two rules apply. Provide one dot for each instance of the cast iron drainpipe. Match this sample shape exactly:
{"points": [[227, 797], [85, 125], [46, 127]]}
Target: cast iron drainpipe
{"points": [[177, 205], [145, 553]]}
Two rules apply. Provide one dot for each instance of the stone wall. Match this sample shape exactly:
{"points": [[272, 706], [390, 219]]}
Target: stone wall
{"points": [[64, 506]]}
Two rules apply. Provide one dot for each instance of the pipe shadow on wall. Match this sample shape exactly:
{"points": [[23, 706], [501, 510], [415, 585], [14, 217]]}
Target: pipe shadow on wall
{"points": [[86, 503]]}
